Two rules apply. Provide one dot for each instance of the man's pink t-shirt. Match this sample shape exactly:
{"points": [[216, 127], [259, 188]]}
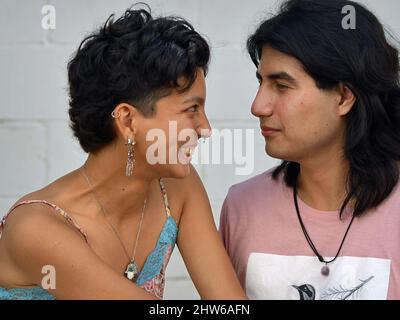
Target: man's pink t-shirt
{"points": [[273, 260]]}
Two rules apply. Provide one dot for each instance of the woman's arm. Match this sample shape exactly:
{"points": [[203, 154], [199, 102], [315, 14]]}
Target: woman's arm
{"points": [[201, 246], [35, 237]]}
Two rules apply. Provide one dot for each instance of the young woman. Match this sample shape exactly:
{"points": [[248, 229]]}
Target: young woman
{"points": [[107, 229]]}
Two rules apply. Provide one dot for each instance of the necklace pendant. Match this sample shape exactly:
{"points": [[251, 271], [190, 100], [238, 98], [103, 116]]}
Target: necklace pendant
{"points": [[131, 270], [325, 270]]}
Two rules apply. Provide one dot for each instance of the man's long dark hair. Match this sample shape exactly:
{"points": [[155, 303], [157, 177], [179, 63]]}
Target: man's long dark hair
{"points": [[362, 59]]}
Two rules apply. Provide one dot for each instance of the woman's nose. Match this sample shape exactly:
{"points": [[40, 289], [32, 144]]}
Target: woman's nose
{"points": [[204, 128]]}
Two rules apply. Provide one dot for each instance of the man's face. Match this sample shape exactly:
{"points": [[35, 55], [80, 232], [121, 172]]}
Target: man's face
{"points": [[303, 119]]}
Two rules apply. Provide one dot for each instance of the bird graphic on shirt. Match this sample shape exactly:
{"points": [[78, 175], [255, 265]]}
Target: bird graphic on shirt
{"points": [[306, 291]]}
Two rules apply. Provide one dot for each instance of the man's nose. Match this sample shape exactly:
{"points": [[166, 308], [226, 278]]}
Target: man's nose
{"points": [[262, 105]]}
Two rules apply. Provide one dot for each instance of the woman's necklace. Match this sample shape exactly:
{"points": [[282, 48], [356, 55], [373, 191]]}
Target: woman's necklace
{"points": [[131, 269]]}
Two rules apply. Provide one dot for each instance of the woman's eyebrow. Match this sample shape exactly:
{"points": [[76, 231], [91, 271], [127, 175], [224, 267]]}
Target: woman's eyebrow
{"points": [[195, 99]]}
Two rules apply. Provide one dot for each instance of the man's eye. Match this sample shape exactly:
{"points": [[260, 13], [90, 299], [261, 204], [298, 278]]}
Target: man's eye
{"points": [[281, 86]]}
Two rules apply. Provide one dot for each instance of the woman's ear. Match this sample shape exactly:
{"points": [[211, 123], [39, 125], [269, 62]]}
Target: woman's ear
{"points": [[346, 99], [125, 116]]}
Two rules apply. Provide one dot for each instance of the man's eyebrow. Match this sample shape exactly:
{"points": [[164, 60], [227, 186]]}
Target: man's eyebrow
{"points": [[195, 99], [282, 75]]}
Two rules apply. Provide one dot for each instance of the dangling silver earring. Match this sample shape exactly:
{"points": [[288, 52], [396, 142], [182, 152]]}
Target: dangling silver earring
{"points": [[131, 157]]}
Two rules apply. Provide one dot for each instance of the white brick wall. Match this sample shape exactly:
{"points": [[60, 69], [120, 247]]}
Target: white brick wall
{"points": [[36, 143], [23, 149]]}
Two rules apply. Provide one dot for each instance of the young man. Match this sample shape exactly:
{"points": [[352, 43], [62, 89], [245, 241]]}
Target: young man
{"points": [[325, 224]]}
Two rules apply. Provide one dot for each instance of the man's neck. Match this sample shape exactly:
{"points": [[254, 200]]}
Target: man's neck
{"points": [[322, 182]]}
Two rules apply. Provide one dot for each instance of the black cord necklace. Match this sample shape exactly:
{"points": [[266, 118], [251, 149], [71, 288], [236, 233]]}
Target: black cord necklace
{"points": [[325, 268]]}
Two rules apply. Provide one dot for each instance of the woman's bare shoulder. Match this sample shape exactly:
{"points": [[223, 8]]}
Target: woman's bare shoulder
{"points": [[30, 234], [36, 238], [32, 221], [182, 191]]}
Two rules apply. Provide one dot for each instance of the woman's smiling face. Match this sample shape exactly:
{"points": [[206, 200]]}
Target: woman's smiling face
{"points": [[170, 136]]}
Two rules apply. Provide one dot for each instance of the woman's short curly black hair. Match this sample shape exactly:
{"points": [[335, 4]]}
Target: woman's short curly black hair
{"points": [[136, 59]]}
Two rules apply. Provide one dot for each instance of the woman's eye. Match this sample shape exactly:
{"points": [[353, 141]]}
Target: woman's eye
{"points": [[192, 109]]}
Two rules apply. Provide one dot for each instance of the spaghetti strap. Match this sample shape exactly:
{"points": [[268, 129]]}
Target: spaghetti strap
{"points": [[165, 197], [55, 207]]}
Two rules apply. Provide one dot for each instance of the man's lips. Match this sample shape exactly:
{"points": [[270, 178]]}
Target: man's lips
{"points": [[267, 131]]}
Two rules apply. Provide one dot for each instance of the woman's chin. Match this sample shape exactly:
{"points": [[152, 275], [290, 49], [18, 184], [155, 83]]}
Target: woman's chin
{"points": [[180, 170]]}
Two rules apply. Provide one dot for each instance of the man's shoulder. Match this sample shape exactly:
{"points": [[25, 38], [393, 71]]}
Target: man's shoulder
{"points": [[257, 186], [262, 181], [246, 200]]}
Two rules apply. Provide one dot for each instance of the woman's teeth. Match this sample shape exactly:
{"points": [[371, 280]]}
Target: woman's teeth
{"points": [[188, 152]]}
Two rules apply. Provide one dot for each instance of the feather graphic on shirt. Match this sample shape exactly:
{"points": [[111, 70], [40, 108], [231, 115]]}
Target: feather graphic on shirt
{"points": [[343, 293]]}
